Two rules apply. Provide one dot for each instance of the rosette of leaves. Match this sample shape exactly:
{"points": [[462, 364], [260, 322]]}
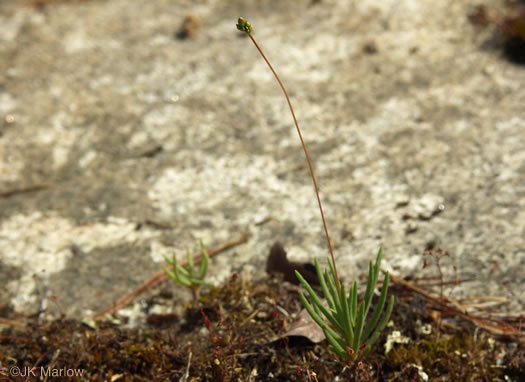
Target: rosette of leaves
{"points": [[186, 275], [345, 323]]}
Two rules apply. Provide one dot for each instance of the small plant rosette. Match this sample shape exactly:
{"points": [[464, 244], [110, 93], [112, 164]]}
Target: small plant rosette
{"points": [[345, 324], [186, 275]]}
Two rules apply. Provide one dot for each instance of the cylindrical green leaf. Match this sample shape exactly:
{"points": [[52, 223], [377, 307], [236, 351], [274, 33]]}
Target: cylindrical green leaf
{"points": [[378, 310], [322, 281], [347, 321], [204, 263], [189, 265], [382, 323], [337, 344], [316, 301], [359, 326]]}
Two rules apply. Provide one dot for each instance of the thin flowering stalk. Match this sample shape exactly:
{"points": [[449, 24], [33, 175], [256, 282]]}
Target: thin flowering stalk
{"points": [[244, 26], [345, 323]]}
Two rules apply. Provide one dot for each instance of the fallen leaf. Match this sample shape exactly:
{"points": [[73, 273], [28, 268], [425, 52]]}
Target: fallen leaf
{"points": [[305, 326]]}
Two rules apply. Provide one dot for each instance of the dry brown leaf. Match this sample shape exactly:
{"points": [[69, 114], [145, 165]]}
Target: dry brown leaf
{"points": [[305, 326]]}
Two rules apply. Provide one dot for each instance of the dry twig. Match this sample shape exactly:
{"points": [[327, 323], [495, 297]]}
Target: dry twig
{"points": [[23, 190], [497, 327]]}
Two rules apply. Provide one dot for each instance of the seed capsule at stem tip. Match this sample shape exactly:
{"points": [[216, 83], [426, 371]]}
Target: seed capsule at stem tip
{"points": [[244, 25]]}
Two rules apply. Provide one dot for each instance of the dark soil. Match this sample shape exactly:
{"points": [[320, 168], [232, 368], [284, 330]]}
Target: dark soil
{"points": [[236, 333]]}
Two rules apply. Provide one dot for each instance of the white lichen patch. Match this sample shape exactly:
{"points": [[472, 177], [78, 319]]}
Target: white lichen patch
{"points": [[11, 25], [24, 290], [11, 161], [314, 55], [408, 263], [395, 338], [401, 112], [158, 124], [11, 164], [426, 206], [7, 103], [87, 159], [42, 244], [38, 242], [217, 182], [77, 41]]}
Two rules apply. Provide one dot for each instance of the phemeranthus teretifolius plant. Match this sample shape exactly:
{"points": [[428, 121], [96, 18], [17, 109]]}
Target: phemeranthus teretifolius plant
{"points": [[348, 331], [344, 322], [186, 275]]}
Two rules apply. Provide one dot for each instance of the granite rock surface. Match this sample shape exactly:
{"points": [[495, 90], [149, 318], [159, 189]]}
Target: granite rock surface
{"points": [[145, 126]]}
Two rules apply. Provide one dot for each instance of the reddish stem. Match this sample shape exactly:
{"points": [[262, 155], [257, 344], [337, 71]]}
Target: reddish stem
{"points": [[306, 155]]}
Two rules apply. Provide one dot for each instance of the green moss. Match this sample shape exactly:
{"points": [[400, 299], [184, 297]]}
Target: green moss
{"points": [[247, 323], [459, 355]]}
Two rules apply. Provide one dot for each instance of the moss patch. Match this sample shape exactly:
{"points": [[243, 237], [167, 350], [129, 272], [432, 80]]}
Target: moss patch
{"points": [[236, 333]]}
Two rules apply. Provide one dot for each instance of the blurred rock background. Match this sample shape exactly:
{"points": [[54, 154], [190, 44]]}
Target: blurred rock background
{"points": [[129, 130]]}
